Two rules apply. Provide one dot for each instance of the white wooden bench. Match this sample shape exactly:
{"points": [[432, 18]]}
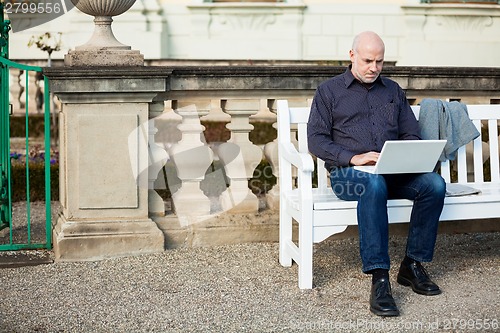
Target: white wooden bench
{"points": [[320, 214]]}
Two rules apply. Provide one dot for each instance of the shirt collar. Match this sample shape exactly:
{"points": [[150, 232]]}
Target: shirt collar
{"points": [[349, 78]]}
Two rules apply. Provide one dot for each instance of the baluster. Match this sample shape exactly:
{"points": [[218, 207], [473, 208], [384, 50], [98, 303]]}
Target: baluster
{"points": [[271, 154], [35, 95], [16, 89], [157, 159], [191, 157], [240, 157]]}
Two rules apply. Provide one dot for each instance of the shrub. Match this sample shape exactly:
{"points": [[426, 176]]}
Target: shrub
{"points": [[36, 162], [35, 126], [36, 182]]}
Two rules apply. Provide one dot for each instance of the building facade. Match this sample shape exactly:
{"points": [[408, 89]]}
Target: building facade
{"points": [[416, 33]]}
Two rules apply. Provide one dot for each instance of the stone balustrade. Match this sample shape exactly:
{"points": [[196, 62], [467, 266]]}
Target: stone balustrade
{"points": [[131, 121]]}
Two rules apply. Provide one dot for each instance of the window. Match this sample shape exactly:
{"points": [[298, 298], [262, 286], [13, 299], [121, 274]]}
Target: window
{"points": [[247, 1], [486, 2]]}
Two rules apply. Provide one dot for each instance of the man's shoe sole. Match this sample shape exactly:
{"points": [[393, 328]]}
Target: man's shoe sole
{"points": [[393, 313], [407, 283]]}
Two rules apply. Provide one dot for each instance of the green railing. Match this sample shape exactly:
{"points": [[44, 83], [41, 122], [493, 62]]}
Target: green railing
{"points": [[5, 181], [14, 240]]}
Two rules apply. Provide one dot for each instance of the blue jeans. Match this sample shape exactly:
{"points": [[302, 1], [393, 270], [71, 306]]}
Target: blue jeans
{"points": [[427, 190]]}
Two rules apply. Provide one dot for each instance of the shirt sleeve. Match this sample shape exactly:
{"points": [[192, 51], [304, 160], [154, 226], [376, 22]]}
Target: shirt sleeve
{"points": [[319, 132]]}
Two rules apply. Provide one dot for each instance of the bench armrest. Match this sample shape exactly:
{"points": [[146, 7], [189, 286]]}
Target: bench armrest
{"points": [[302, 161]]}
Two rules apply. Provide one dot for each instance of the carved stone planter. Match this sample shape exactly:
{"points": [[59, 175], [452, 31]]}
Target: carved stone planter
{"points": [[103, 49]]}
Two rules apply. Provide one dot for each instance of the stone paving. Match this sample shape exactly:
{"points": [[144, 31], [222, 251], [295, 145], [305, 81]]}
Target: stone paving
{"points": [[242, 288]]}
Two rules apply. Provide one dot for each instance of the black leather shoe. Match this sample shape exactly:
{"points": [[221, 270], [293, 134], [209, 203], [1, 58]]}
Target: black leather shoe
{"points": [[415, 275], [381, 301]]}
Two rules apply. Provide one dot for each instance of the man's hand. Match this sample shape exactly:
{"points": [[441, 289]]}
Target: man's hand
{"points": [[369, 158]]}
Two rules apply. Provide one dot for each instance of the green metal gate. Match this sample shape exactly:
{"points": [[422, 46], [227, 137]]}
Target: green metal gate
{"points": [[8, 229]]}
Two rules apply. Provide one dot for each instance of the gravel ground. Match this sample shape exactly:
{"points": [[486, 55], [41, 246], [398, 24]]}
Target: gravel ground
{"points": [[242, 288]]}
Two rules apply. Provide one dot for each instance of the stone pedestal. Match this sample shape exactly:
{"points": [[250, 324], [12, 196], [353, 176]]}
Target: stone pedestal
{"points": [[104, 162], [84, 58]]}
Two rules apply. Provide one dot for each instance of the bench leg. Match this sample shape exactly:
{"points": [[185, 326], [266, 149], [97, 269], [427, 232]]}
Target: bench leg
{"points": [[306, 253], [285, 236]]}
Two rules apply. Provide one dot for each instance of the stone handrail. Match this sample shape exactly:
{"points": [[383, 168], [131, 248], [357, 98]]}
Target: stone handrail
{"points": [[476, 85]]}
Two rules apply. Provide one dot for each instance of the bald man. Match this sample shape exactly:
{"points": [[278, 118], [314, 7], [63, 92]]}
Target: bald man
{"points": [[352, 115]]}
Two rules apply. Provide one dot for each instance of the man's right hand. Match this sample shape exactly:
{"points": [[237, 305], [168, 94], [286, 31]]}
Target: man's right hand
{"points": [[369, 158]]}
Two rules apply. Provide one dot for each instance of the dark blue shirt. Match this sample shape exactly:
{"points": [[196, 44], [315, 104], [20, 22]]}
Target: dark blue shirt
{"points": [[349, 118]]}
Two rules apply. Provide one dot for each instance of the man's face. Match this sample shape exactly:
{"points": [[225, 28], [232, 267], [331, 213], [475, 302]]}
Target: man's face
{"points": [[367, 62]]}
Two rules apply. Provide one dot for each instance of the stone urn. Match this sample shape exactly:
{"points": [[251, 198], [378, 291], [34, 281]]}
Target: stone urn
{"points": [[103, 49]]}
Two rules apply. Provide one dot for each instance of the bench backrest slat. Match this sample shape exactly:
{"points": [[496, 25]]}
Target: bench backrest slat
{"points": [[462, 164], [323, 178], [477, 147], [462, 168], [445, 171], [302, 137], [494, 150]]}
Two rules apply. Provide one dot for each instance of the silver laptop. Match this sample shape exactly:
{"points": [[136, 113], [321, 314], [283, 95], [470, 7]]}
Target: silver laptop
{"points": [[406, 156]]}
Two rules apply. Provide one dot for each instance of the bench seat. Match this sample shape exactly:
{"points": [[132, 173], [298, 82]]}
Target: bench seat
{"points": [[483, 205], [326, 200]]}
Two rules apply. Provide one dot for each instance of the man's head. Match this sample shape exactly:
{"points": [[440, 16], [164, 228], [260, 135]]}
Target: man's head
{"points": [[367, 56]]}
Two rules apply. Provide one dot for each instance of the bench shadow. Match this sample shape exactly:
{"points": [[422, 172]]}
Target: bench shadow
{"points": [[335, 259]]}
